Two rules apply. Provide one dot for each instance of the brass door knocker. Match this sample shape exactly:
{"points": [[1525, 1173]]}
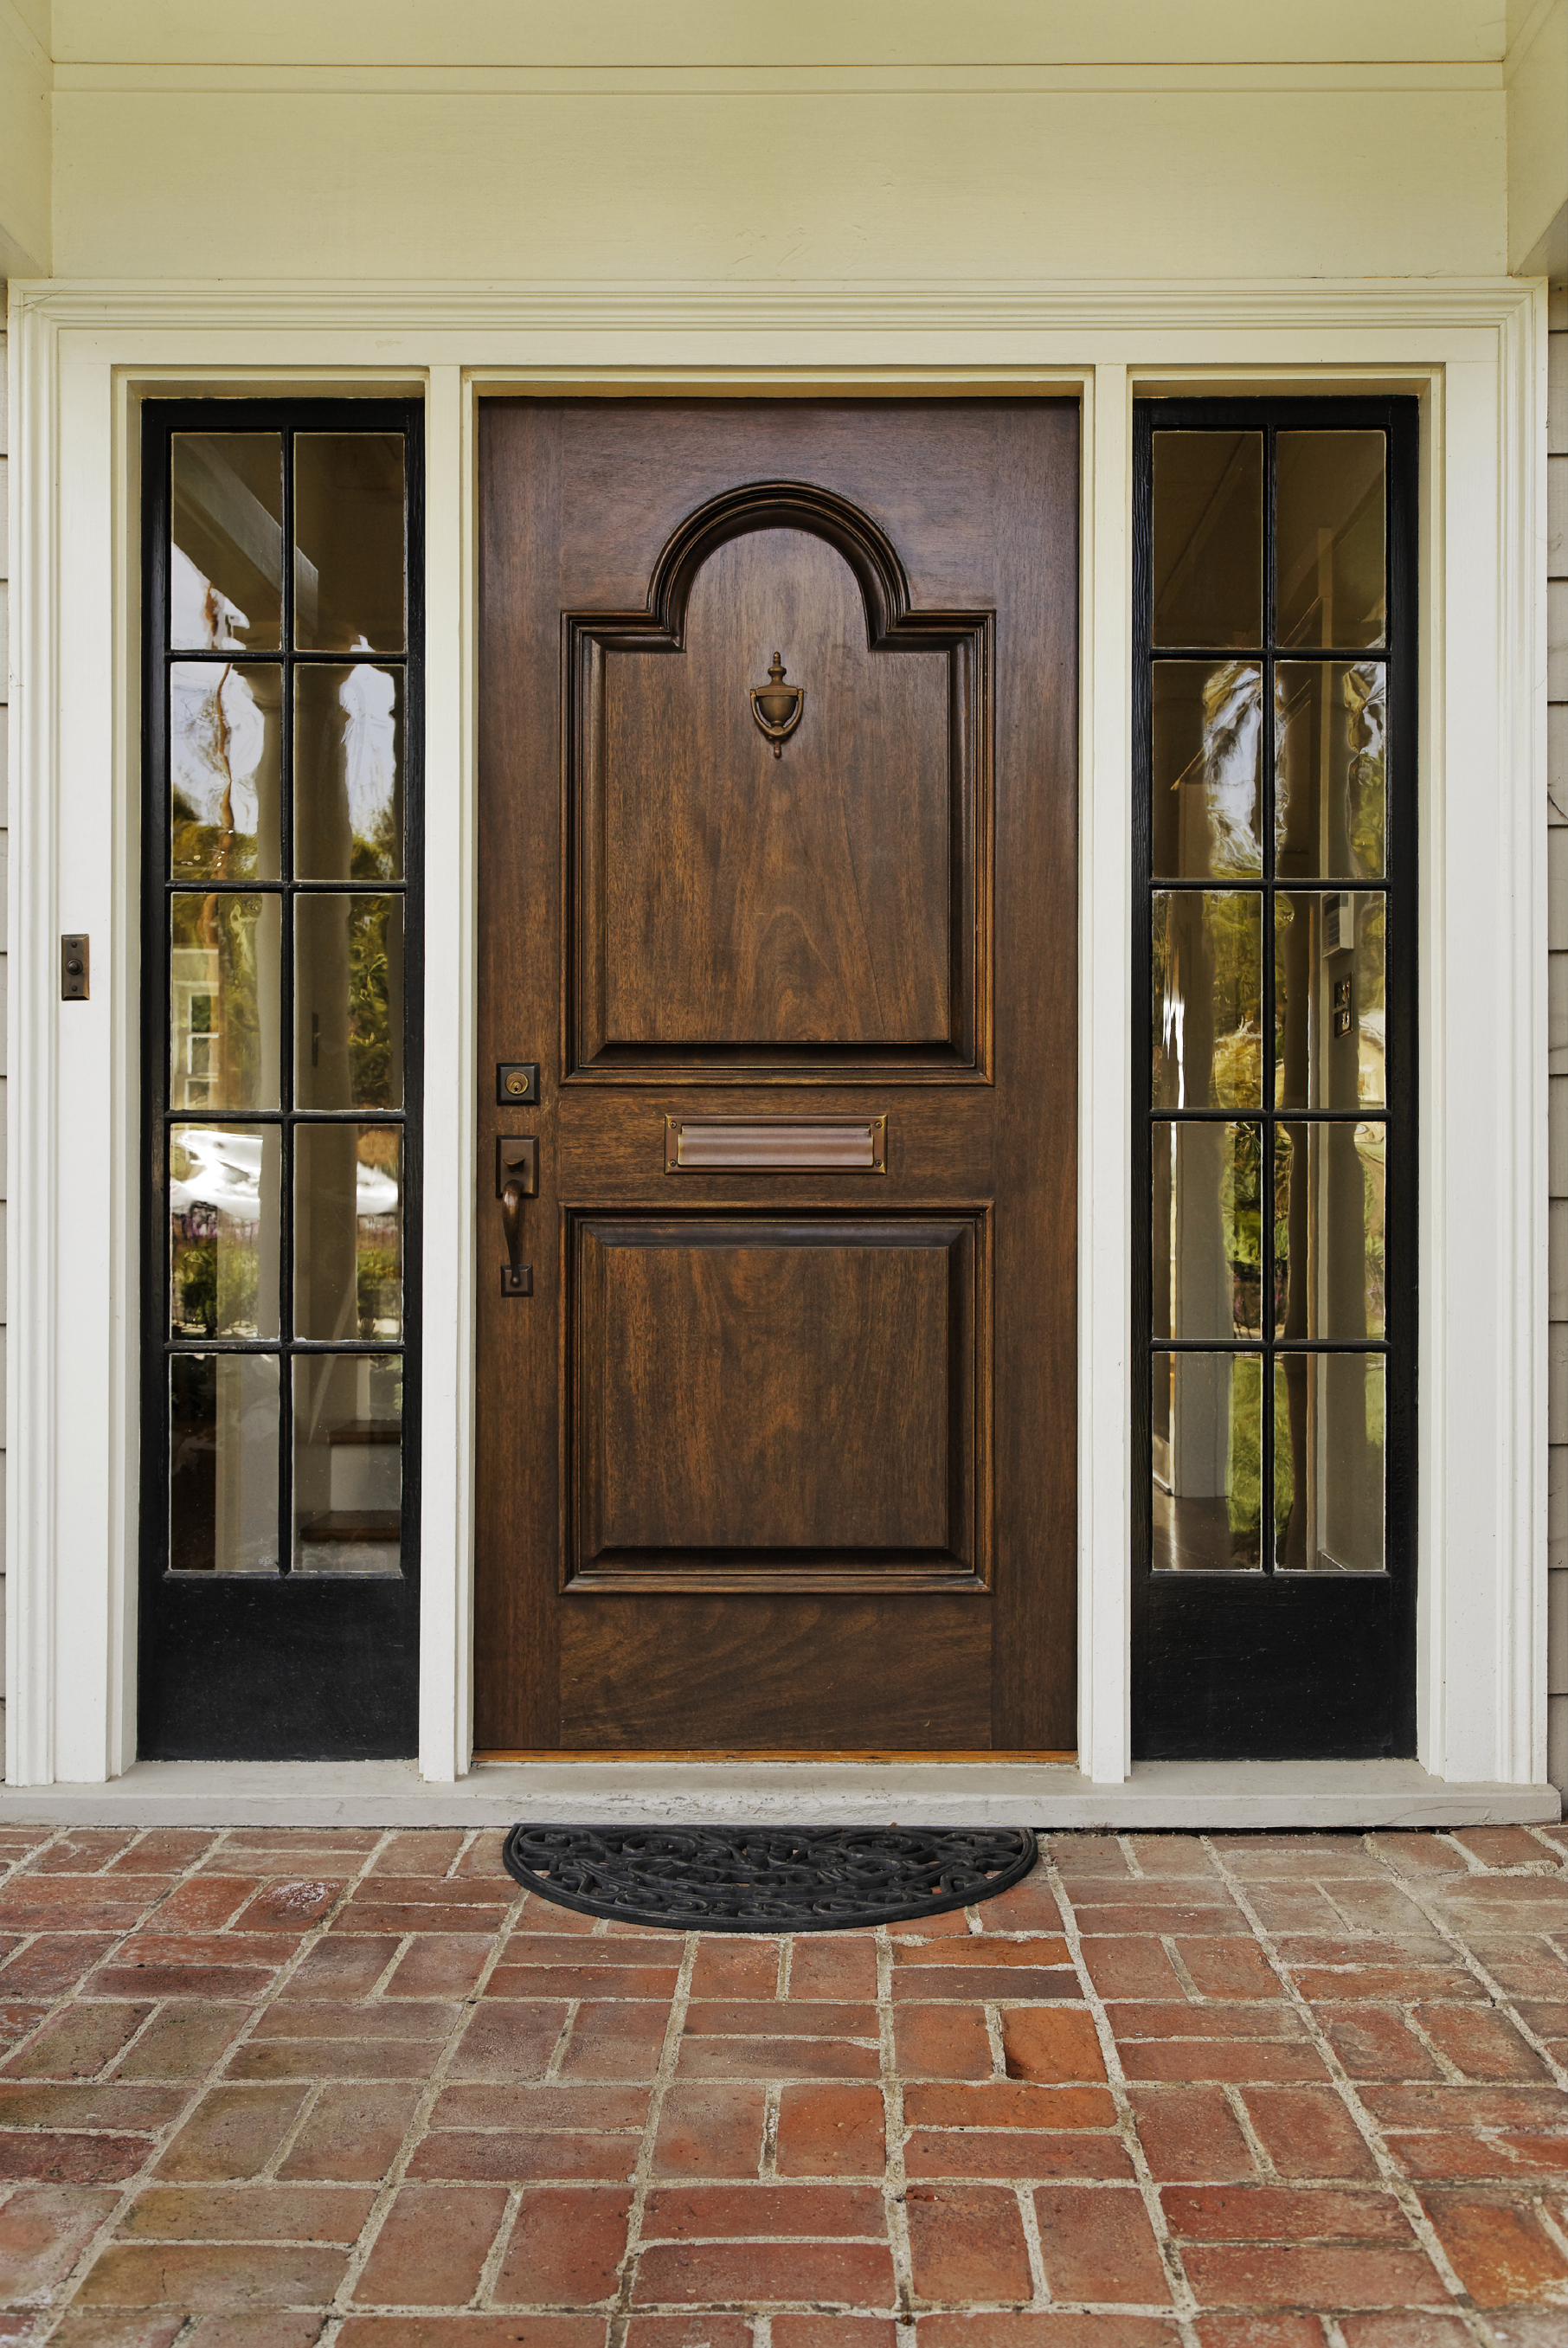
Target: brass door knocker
{"points": [[777, 706]]}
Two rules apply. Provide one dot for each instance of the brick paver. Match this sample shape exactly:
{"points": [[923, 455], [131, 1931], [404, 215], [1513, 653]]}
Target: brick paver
{"points": [[268, 2090]]}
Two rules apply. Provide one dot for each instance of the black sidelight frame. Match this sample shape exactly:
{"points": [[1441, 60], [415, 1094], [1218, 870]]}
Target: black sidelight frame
{"points": [[1277, 1665], [273, 1665]]}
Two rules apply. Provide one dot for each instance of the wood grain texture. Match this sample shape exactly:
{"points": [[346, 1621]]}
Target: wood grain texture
{"points": [[774, 1672], [711, 1354], [882, 927]]}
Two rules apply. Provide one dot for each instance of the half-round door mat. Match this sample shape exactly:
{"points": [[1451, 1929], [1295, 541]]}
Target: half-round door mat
{"points": [[767, 1879]]}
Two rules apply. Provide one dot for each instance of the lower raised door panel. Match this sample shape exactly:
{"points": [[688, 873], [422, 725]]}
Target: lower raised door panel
{"points": [[769, 1673], [768, 1405]]}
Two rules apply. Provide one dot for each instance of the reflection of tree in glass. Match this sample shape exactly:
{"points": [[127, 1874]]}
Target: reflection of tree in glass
{"points": [[1232, 722], [368, 697], [1243, 1467], [217, 744], [369, 1020], [1366, 720], [1371, 1148], [1241, 1204], [1230, 922]]}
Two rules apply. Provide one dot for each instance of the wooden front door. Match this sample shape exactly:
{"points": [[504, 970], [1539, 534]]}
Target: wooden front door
{"points": [[778, 888]]}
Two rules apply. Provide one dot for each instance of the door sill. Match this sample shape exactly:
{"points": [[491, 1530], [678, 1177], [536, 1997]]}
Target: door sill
{"points": [[490, 1757], [1168, 1797]]}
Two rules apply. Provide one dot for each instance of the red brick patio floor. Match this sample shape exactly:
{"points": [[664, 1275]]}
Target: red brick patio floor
{"points": [[269, 2088]]}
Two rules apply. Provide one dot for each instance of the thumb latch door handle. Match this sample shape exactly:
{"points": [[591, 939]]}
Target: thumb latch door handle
{"points": [[516, 1178]]}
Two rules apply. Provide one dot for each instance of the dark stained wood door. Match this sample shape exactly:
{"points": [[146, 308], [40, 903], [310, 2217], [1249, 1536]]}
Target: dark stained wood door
{"points": [[778, 1452]]}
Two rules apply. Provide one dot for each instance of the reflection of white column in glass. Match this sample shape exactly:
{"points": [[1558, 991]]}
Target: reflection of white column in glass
{"points": [[245, 1512]]}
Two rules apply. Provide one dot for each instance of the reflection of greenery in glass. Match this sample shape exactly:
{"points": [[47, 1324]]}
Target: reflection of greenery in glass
{"points": [[1244, 1466], [1231, 922], [1371, 956], [1284, 1468], [378, 1289], [218, 1288], [369, 1021], [1241, 1218], [1370, 1148], [1373, 1384]]}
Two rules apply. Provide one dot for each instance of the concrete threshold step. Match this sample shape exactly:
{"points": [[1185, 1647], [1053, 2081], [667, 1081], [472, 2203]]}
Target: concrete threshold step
{"points": [[1230, 1795]]}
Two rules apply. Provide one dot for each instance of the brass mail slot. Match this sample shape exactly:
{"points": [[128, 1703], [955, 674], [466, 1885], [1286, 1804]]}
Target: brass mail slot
{"points": [[776, 1145]]}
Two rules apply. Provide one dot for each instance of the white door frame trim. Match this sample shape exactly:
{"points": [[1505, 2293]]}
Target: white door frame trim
{"points": [[82, 355]]}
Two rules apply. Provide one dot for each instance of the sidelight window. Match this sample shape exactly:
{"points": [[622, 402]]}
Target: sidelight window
{"points": [[1276, 924], [279, 968]]}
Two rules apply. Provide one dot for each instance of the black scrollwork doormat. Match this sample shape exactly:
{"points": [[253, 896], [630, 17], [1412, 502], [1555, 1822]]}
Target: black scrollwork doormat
{"points": [[767, 1879]]}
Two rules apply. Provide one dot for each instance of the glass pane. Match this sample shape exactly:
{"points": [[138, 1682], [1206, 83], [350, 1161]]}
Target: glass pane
{"points": [[348, 542], [224, 773], [1328, 1463], [1208, 1450], [349, 1463], [1206, 973], [226, 563], [348, 1231], [1328, 1190], [1209, 539], [1330, 532], [1208, 1232], [223, 1463], [223, 1185], [1331, 723], [349, 774], [1208, 766], [223, 1001], [1330, 1028], [348, 1002]]}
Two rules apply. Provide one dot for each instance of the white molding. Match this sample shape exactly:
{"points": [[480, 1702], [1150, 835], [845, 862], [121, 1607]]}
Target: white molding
{"points": [[446, 1496], [1105, 1092], [1473, 349], [1146, 310], [30, 1432]]}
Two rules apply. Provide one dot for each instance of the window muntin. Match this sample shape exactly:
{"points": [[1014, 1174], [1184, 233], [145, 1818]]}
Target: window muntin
{"points": [[1266, 678], [282, 1148]]}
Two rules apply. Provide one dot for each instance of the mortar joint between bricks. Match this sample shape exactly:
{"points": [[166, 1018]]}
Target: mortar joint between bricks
{"points": [[563, 2037], [1482, 1973], [1263, 2159], [1461, 2302], [1183, 2299], [1441, 2057], [1179, 1966], [894, 2178], [1134, 1864], [643, 2168], [1029, 2218], [490, 2270]]}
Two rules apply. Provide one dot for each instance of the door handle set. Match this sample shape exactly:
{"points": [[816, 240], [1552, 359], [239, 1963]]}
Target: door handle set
{"points": [[516, 1178]]}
